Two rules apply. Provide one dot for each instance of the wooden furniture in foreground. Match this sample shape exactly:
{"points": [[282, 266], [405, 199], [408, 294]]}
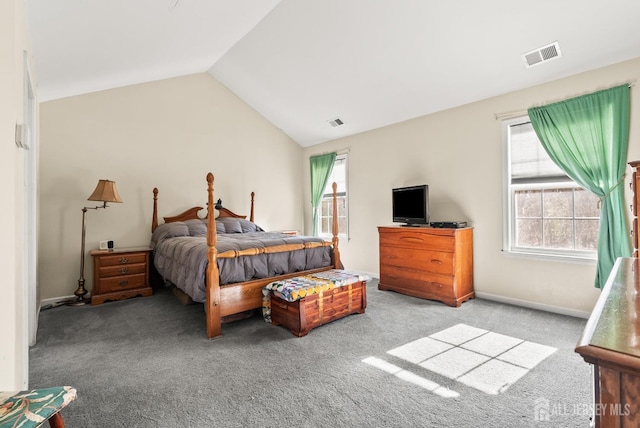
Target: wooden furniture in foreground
{"points": [[635, 203], [431, 263], [30, 409], [319, 309], [224, 301], [120, 274], [611, 342]]}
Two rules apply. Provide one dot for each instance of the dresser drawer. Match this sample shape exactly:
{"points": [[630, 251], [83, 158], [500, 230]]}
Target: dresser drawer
{"points": [[397, 276], [119, 283], [402, 239], [126, 269], [416, 283], [123, 259], [417, 260]]}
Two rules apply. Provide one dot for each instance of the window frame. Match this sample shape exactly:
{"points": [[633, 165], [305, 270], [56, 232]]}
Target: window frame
{"points": [[509, 215], [329, 196]]}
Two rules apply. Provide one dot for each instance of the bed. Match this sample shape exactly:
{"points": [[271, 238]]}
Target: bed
{"points": [[225, 261]]}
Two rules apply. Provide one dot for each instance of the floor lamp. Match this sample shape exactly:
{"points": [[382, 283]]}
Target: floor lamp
{"points": [[106, 191]]}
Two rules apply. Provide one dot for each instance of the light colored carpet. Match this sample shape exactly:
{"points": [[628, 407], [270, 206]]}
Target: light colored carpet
{"points": [[146, 362]]}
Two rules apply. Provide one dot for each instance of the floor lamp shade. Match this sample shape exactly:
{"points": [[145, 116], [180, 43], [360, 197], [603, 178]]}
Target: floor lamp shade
{"points": [[106, 191]]}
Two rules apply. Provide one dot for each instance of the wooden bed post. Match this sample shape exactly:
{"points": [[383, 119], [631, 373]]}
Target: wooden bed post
{"points": [[336, 252], [253, 194], [212, 308], [154, 220]]}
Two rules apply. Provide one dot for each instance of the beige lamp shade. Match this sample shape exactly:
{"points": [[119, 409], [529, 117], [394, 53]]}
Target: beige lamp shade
{"points": [[106, 191]]}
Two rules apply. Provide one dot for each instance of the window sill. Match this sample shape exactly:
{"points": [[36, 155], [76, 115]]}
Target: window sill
{"points": [[584, 260]]}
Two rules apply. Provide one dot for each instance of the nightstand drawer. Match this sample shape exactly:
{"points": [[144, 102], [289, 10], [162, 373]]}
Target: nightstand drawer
{"points": [[128, 269], [119, 283], [123, 259]]}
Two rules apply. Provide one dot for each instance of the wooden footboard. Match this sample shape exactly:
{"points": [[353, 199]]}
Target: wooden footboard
{"points": [[222, 301]]}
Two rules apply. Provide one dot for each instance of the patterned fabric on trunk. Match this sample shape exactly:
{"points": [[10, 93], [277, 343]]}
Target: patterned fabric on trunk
{"points": [[301, 286]]}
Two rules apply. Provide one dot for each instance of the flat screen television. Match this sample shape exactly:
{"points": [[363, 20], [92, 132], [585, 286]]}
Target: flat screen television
{"points": [[411, 205]]}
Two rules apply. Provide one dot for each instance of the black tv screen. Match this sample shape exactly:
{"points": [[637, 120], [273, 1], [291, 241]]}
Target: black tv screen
{"points": [[411, 204]]}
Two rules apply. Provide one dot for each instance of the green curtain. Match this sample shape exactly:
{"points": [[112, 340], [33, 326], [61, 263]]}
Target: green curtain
{"points": [[321, 167], [587, 137]]}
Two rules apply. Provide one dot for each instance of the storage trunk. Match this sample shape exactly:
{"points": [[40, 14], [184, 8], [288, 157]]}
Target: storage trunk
{"points": [[318, 309]]}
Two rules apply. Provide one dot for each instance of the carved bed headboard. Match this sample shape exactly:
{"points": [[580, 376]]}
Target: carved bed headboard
{"points": [[192, 213]]}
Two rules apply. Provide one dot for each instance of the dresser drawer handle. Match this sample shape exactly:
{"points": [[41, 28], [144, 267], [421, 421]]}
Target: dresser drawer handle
{"points": [[436, 261], [123, 282], [124, 270], [123, 260]]}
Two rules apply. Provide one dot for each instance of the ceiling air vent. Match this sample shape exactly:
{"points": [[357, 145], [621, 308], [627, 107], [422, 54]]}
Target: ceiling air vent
{"points": [[336, 122], [542, 54]]}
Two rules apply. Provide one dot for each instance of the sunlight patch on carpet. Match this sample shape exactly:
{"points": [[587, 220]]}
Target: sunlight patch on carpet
{"points": [[410, 377], [419, 350], [488, 361]]}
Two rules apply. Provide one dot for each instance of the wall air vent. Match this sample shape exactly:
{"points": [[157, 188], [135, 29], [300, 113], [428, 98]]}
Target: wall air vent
{"points": [[336, 122], [543, 54]]}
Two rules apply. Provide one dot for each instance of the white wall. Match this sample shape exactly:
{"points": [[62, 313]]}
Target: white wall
{"points": [[459, 154], [167, 134], [13, 340]]}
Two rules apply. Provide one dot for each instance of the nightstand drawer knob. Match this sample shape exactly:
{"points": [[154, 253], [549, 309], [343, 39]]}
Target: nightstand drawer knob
{"points": [[123, 282], [123, 260], [124, 270]]}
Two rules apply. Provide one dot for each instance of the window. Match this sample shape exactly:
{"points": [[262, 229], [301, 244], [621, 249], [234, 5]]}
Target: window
{"points": [[339, 176], [546, 212]]}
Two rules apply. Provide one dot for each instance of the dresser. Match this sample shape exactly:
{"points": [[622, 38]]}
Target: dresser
{"points": [[611, 343], [120, 274], [431, 263], [635, 203]]}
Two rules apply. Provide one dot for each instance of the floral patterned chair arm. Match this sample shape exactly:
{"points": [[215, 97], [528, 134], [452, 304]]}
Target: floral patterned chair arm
{"points": [[30, 409]]}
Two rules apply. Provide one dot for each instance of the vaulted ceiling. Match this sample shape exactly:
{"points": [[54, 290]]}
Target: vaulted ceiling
{"points": [[304, 63]]}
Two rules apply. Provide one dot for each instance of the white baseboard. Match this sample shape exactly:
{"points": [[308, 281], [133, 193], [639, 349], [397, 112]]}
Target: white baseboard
{"points": [[361, 272], [55, 301], [533, 305]]}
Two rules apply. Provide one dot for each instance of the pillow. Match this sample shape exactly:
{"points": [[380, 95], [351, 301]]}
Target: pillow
{"points": [[168, 230], [238, 225], [220, 227], [232, 226], [248, 226], [197, 227]]}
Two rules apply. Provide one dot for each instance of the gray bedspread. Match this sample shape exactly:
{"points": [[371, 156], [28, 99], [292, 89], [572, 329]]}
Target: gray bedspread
{"points": [[180, 254]]}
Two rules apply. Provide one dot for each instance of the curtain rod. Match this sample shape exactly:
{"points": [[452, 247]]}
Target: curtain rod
{"points": [[517, 113], [338, 152]]}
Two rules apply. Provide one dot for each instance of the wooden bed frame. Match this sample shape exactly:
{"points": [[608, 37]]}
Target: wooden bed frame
{"points": [[224, 301]]}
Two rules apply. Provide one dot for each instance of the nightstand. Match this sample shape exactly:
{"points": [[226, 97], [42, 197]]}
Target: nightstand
{"points": [[120, 274], [288, 232]]}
